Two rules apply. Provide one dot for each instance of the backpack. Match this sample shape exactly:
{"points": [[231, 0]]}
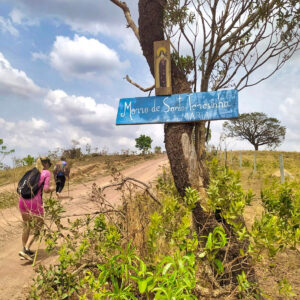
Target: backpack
{"points": [[61, 169], [28, 186]]}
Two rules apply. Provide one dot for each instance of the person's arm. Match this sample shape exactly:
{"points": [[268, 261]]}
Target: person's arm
{"points": [[47, 186]]}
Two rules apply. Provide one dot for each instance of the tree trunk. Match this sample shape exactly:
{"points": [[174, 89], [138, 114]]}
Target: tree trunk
{"points": [[255, 147], [186, 156]]}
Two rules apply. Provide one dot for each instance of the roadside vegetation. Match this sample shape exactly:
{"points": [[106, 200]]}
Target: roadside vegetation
{"points": [[150, 248], [81, 164], [85, 168]]}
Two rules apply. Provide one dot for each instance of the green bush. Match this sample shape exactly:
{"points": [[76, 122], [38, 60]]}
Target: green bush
{"points": [[98, 261], [278, 227]]}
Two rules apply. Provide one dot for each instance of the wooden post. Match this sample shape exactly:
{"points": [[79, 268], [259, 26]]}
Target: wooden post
{"points": [[254, 170], [281, 168], [240, 159], [162, 68]]}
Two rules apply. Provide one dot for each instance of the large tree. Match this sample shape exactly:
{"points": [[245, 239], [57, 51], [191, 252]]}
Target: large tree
{"points": [[257, 128], [143, 143], [228, 41], [216, 44]]}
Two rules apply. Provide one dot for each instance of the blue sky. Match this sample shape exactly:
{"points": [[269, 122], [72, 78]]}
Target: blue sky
{"points": [[62, 65]]}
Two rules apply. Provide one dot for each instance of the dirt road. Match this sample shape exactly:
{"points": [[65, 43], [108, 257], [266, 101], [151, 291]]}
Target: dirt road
{"points": [[16, 275]]}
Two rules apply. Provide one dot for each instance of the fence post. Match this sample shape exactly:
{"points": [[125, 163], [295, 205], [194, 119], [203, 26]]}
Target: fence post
{"points": [[254, 161], [281, 168], [240, 159]]}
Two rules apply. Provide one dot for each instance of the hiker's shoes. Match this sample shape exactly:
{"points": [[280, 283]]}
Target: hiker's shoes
{"points": [[26, 254], [31, 253]]}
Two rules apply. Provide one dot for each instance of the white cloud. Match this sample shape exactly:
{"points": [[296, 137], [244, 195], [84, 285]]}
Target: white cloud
{"points": [[89, 16], [15, 82], [131, 44], [19, 17], [290, 108], [277, 98], [39, 56], [82, 112], [289, 113], [75, 118], [92, 119], [85, 58], [25, 135], [7, 26], [82, 16], [69, 117]]}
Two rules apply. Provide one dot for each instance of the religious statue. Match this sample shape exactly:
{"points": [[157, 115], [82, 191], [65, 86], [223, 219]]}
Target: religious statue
{"points": [[162, 69]]}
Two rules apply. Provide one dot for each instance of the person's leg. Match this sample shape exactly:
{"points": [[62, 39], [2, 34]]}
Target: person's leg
{"points": [[57, 184], [26, 228], [62, 180], [25, 253], [38, 224]]}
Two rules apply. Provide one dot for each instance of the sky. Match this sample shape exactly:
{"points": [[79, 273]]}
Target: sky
{"points": [[62, 69]]}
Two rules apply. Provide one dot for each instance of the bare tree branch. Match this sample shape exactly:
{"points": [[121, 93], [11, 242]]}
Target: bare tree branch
{"points": [[138, 86], [128, 17]]}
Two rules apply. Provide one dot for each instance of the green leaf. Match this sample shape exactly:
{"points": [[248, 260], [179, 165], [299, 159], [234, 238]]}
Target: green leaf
{"points": [[143, 267], [166, 268], [142, 286], [209, 242], [219, 265], [181, 265]]}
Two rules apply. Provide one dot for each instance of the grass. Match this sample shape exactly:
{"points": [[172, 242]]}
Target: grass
{"points": [[88, 166], [84, 169], [267, 167], [12, 175], [286, 265], [8, 199]]}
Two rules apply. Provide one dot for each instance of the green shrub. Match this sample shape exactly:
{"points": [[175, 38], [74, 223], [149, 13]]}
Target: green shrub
{"points": [[278, 227]]}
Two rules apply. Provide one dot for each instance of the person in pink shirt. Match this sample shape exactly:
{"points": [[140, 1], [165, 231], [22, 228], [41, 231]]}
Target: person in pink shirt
{"points": [[32, 210]]}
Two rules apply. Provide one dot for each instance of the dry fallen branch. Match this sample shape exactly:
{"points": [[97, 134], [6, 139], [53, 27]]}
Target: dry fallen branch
{"points": [[138, 86], [85, 266], [145, 187], [95, 213]]}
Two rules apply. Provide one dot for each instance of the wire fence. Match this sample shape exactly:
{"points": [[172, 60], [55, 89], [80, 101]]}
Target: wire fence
{"points": [[229, 157]]}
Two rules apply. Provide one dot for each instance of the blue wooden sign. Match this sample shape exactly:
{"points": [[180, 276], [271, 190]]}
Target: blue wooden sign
{"points": [[190, 107]]}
